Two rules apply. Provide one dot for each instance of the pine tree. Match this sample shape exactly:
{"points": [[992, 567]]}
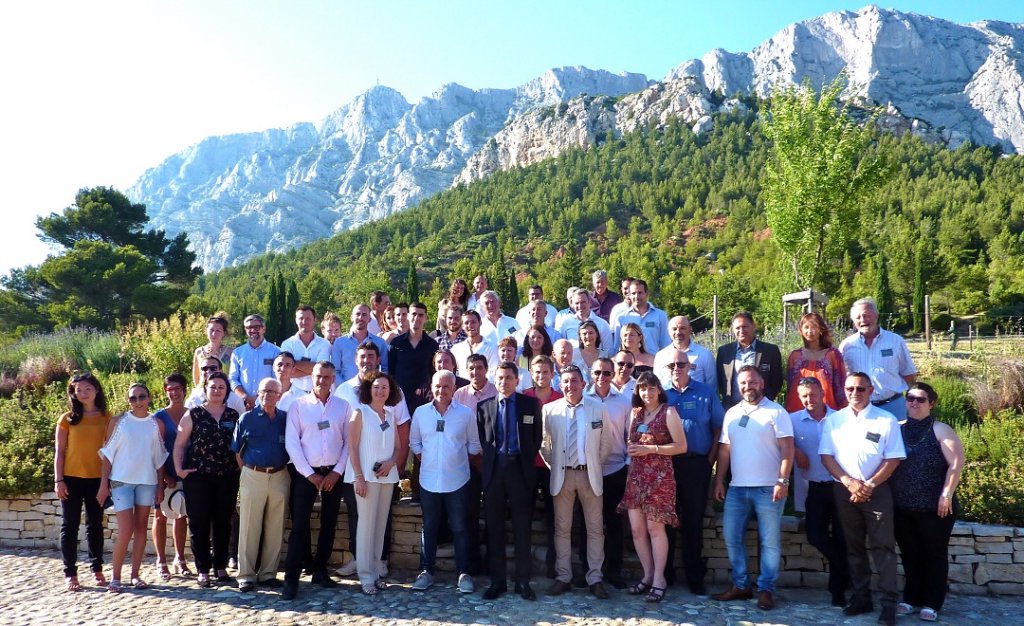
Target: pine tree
{"points": [[883, 291], [271, 309], [919, 289], [412, 283]]}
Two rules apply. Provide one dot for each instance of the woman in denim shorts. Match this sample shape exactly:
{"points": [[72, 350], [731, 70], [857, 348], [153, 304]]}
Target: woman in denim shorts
{"points": [[133, 466]]}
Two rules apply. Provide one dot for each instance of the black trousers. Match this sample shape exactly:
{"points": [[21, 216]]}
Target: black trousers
{"points": [[824, 532], [507, 494], [304, 495], [474, 515], [863, 523], [614, 489], [81, 491], [692, 473], [210, 501], [543, 485], [923, 538], [348, 494]]}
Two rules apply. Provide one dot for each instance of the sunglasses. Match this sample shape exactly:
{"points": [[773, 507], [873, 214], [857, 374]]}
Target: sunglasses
{"points": [[210, 368], [137, 398], [921, 399], [809, 380], [623, 364], [852, 389], [597, 373], [678, 365]]}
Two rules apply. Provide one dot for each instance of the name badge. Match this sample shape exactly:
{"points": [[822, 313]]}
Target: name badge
{"points": [[440, 426], [280, 439], [527, 419], [690, 406], [764, 367], [384, 426], [642, 428], [887, 352], [268, 361], [744, 421], [324, 425], [227, 425], [511, 330], [873, 437], [649, 324], [597, 424]]}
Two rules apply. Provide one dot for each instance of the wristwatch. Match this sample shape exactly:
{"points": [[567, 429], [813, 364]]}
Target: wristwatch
{"points": [[783, 481]]}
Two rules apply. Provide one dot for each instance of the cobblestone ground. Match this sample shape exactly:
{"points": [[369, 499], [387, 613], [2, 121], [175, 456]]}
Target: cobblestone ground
{"points": [[33, 593]]}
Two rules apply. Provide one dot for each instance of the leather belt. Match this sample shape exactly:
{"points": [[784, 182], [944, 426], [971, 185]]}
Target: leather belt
{"points": [[885, 401], [264, 470], [323, 470], [577, 468]]}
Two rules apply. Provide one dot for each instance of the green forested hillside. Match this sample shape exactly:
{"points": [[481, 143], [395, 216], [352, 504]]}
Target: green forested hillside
{"points": [[683, 212]]}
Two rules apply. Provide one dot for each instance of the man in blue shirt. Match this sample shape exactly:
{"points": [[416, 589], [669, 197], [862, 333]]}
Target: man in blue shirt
{"points": [[258, 445], [702, 414], [253, 361], [343, 352]]}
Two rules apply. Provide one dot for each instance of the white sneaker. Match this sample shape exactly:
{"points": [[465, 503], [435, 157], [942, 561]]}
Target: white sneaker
{"points": [[466, 584], [423, 581], [349, 568], [382, 569]]}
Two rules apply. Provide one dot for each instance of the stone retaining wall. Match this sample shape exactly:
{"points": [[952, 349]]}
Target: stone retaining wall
{"points": [[983, 559]]}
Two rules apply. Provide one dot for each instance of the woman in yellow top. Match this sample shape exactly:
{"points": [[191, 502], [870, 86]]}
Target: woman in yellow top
{"points": [[77, 470]]}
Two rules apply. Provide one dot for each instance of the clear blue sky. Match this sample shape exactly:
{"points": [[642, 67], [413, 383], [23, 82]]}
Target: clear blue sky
{"points": [[95, 93]]}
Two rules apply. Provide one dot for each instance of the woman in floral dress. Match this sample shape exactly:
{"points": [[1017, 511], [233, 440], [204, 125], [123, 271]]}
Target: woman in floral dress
{"points": [[655, 435]]}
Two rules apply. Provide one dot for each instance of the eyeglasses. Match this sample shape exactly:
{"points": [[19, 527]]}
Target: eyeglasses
{"points": [[209, 368], [597, 373], [852, 389], [137, 398], [809, 380], [623, 364], [921, 399], [254, 327], [678, 365], [271, 392]]}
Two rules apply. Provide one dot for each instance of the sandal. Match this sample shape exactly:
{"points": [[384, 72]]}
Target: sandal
{"points": [[100, 579], [381, 584], [638, 588], [114, 586], [72, 583], [181, 567], [138, 583], [370, 589], [203, 580], [929, 614], [902, 608], [165, 572], [655, 594]]}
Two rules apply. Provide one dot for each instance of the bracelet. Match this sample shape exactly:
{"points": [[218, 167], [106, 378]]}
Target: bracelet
{"points": [[657, 449], [870, 483], [359, 476], [946, 494]]}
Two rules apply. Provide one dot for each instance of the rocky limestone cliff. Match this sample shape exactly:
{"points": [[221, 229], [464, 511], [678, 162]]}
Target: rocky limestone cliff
{"points": [[242, 195]]}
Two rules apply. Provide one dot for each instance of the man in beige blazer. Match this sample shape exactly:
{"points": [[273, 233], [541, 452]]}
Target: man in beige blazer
{"points": [[576, 472]]}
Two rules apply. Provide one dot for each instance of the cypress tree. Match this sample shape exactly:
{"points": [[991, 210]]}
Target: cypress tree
{"points": [[919, 287]]}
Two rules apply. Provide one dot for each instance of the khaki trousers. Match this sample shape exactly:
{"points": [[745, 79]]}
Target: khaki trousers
{"points": [[373, 521], [263, 499], [577, 485]]}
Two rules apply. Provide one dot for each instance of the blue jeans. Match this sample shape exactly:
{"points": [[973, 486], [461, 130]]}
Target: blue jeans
{"points": [[740, 503], [456, 503]]}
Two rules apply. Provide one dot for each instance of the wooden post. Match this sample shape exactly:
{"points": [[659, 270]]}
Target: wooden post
{"points": [[714, 320], [928, 322], [970, 337], [785, 321]]}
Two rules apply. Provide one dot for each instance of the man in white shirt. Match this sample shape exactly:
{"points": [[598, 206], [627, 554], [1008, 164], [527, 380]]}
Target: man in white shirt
{"points": [[569, 327], [759, 434], [813, 490], [627, 301], [576, 444], [306, 346], [861, 446], [562, 355], [283, 364], [496, 325], [317, 447], [444, 435], [525, 318], [379, 302], [653, 322], [703, 361], [882, 355], [198, 396], [615, 467], [537, 316], [479, 287], [475, 343]]}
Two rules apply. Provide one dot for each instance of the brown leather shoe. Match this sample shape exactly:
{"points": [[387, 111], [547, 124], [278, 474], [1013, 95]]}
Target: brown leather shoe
{"points": [[558, 588], [733, 593], [765, 601]]}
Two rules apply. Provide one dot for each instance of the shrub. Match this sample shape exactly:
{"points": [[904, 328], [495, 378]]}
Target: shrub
{"points": [[990, 489], [27, 422], [81, 348], [164, 346], [956, 401]]}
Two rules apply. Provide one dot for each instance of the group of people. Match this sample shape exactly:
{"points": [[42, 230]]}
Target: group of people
{"points": [[607, 404]]}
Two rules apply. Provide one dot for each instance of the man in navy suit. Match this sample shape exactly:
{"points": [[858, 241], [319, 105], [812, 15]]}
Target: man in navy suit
{"points": [[747, 350], [510, 435]]}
